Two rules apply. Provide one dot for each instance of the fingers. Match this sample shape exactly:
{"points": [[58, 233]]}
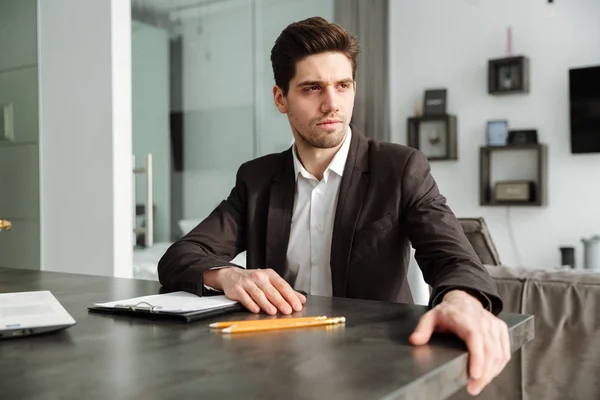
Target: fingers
{"points": [[240, 294], [497, 352], [485, 335], [301, 297], [263, 289], [260, 298], [274, 297], [476, 346], [424, 328], [505, 342], [293, 298], [489, 361], [471, 329]]}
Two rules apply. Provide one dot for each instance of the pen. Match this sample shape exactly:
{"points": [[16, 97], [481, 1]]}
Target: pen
{"points": [[268, 327], [227, 324]]}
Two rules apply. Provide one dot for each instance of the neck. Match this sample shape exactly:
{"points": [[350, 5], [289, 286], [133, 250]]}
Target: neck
{"points": [[316, 160]]}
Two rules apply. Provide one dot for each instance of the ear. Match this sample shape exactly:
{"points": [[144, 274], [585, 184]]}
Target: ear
{"points": [[280, 100]]}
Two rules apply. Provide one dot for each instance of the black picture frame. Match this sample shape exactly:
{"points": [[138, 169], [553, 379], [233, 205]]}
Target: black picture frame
{"points": [[434, 135], [435, 102], [508, 75]]}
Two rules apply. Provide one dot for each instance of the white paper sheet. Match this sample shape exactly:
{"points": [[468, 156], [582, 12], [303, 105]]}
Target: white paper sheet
{"points": [[176, 302]]}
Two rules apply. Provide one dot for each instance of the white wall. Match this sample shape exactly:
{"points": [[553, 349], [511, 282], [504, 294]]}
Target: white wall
{"points": [[150, 109], [19, 163], [446, 43], [85, 136]]}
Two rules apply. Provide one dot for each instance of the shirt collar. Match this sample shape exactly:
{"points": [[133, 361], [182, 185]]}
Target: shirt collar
{"points": [[336, 165]]}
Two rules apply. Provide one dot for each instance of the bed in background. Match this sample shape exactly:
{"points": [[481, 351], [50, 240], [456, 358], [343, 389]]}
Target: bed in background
{"points": [[145, 259]]}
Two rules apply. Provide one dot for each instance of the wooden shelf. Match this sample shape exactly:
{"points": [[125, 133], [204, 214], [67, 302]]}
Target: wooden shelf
{"points": [[513, 147], [514, 203], [485, 173], [518, 70], [450, 132]]}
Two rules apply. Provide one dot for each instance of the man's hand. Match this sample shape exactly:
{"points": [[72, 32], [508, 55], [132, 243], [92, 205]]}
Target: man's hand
{"points": [[486, 336], [256, 289]]}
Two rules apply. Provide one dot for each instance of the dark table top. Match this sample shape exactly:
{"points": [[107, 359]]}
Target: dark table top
{"points": [[122, 357]]}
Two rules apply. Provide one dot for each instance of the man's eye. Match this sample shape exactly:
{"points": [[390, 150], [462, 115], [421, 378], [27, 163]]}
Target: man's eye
{"points": [[311, 88]]}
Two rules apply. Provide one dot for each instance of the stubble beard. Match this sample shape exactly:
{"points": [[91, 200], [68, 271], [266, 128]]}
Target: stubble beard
{"points": [[321, 139]]}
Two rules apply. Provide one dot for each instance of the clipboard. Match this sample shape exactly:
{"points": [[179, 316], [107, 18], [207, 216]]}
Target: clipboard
{"points": [[178, 306]]}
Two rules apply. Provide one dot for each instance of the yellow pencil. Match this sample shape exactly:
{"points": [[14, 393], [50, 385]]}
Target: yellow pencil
{"points": [[266, 327], [227, 324]]}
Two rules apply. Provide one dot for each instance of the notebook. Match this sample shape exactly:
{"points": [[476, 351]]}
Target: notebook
{"points": [[181, 306]]}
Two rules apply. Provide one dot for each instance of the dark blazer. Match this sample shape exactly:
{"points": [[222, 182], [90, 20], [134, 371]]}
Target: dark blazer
{"points": [[388, 200]]}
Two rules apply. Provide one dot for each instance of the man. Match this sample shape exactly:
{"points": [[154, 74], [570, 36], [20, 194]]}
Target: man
{"points": [[335, 215]]}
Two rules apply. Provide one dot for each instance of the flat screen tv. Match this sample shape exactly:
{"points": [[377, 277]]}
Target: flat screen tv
{"points": [[584, 96]]}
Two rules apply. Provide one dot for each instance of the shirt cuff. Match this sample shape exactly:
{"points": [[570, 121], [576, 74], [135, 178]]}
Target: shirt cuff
{"points": [[212, 289]]}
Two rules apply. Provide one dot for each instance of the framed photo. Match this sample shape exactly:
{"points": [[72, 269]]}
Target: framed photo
{"points": [[435, 102], [434, 136], [497, 133], [508, 75]]}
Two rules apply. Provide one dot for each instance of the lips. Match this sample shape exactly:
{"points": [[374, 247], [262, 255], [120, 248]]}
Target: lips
{"points": [[329, 122]]}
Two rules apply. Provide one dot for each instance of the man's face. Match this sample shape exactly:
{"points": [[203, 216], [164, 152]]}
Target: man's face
{"points": [[320, 99]]}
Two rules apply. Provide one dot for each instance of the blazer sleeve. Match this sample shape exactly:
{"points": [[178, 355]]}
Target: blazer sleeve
{"points": [[442, 250], [213, 243]]}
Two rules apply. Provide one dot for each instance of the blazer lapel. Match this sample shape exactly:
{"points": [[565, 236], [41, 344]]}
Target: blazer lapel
{"points": [[279, 220], [353, 189]]}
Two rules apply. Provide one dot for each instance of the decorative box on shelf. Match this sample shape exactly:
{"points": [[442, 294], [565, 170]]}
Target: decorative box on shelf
{"points": [[434, 135], [514, 191], [509, 75]]}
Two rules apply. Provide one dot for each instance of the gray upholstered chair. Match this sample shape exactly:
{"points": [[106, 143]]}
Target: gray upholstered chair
{"points": [[481, 240], [478, 235]]}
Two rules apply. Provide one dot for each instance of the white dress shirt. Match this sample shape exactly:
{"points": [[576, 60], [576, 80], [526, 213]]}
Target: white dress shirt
{"points": [[309, 248]]}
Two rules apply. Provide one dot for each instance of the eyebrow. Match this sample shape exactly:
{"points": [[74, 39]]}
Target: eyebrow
{"points": [[312, 83]]}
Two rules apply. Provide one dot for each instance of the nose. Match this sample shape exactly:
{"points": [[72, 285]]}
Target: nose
{"points": [[330, 101]]}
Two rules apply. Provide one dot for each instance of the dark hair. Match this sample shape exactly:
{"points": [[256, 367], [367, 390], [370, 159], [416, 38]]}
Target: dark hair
{"points": [[304, 38]]}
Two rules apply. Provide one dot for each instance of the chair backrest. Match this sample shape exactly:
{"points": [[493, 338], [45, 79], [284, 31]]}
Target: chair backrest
{"points": [[479, 236]]}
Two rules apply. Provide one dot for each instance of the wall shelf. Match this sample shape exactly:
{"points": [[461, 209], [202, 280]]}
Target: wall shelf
{"points": [[434, 135], [508, 75], [486, 188]]}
